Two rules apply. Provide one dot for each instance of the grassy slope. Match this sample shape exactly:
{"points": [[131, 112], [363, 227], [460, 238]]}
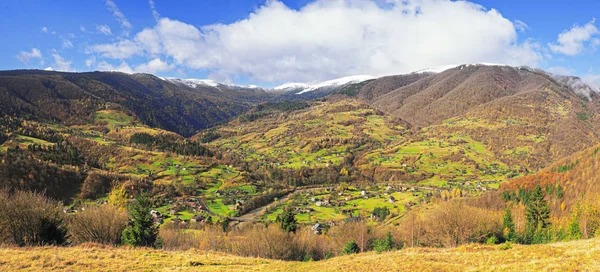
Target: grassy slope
{"points": [[568, 256]]}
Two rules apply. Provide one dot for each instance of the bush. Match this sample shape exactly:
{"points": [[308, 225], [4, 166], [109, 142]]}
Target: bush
{"points": [[98, 224], [351, 248], [29, 218], [506, 246], [268, 242]]}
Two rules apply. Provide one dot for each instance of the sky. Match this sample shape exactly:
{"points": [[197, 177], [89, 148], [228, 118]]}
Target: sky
{"points": [[269, 42]]}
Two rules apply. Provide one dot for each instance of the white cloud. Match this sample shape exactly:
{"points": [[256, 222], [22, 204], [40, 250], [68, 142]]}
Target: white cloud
{"points": [[67, 44], [329, 39], [60, 64], [521, 26], [25, 56], [123, 67], [104, 29], [125, 25], [44, 29], [572, 42], [91, 61], [155, 13], [154, 66], [82, 28], [121, 50]]}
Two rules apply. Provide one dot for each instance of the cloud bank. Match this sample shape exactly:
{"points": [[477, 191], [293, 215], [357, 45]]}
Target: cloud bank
{"points": [[329, 39]]}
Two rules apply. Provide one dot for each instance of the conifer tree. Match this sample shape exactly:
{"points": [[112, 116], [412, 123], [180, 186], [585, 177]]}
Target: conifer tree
{"points": [[537, 215], [141, 230], [509, 226]]}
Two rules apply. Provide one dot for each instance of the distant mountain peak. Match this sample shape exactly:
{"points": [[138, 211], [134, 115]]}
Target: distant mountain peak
{"points": [[195, 82], [301, 88], [443, 68]]}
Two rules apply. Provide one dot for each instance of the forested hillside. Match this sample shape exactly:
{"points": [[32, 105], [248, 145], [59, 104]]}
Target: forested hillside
{"points": [[74, 98]]}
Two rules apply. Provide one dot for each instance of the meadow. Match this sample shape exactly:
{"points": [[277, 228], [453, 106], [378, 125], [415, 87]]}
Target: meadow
{"points": [[582, 255]]}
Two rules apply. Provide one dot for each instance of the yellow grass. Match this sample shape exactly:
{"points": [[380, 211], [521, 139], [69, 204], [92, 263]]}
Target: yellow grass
{"points": [[583, 255]]}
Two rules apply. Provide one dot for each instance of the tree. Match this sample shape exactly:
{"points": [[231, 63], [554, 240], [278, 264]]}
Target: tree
{"points": [[351, 248], [288, 221], [537, 215], [509, 226], [141, 230], [559, 191], [385, 244], [381, 212], [225, 224], [118, 197], [574, 227]]}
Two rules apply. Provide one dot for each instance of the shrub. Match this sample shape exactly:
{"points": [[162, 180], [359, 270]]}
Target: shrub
{"points": [[351, 248], [506, 246], [29, 218], [98, 224]]}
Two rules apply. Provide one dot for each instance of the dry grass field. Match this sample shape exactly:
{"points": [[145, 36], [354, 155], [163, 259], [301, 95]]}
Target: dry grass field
{"points": [[582, 255]]}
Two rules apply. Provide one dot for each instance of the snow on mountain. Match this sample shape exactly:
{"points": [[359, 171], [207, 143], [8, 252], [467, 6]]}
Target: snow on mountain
{"points": [[291, 85], [194, 83], [443, 68], [304, 88]]}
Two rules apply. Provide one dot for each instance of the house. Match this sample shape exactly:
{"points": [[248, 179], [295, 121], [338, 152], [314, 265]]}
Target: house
{"points": [[319, 203], [391, 199], [197, 218], [68, 210], [363, 193], [316, 228], [172, 212], [155, 213]]}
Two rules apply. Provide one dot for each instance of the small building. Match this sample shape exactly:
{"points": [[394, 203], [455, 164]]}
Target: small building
{"points": [[316, 228], [197, 218], [319, 203], [363, 193], [391, 199]]}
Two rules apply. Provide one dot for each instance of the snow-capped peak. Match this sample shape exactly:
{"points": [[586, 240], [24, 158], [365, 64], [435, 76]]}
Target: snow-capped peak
{"points": [[304, 87], [291, 85], [194, 83], [443, 68]]}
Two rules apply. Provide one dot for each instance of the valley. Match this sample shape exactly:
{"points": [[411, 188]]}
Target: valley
{"points": [[356, 158]]}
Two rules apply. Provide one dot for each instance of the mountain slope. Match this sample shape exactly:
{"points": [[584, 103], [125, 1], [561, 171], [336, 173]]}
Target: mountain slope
{"points": [[73, 98], [521, 114]]}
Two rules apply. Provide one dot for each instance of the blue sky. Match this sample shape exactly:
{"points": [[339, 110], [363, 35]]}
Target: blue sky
{"points": [[270, 42]]}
